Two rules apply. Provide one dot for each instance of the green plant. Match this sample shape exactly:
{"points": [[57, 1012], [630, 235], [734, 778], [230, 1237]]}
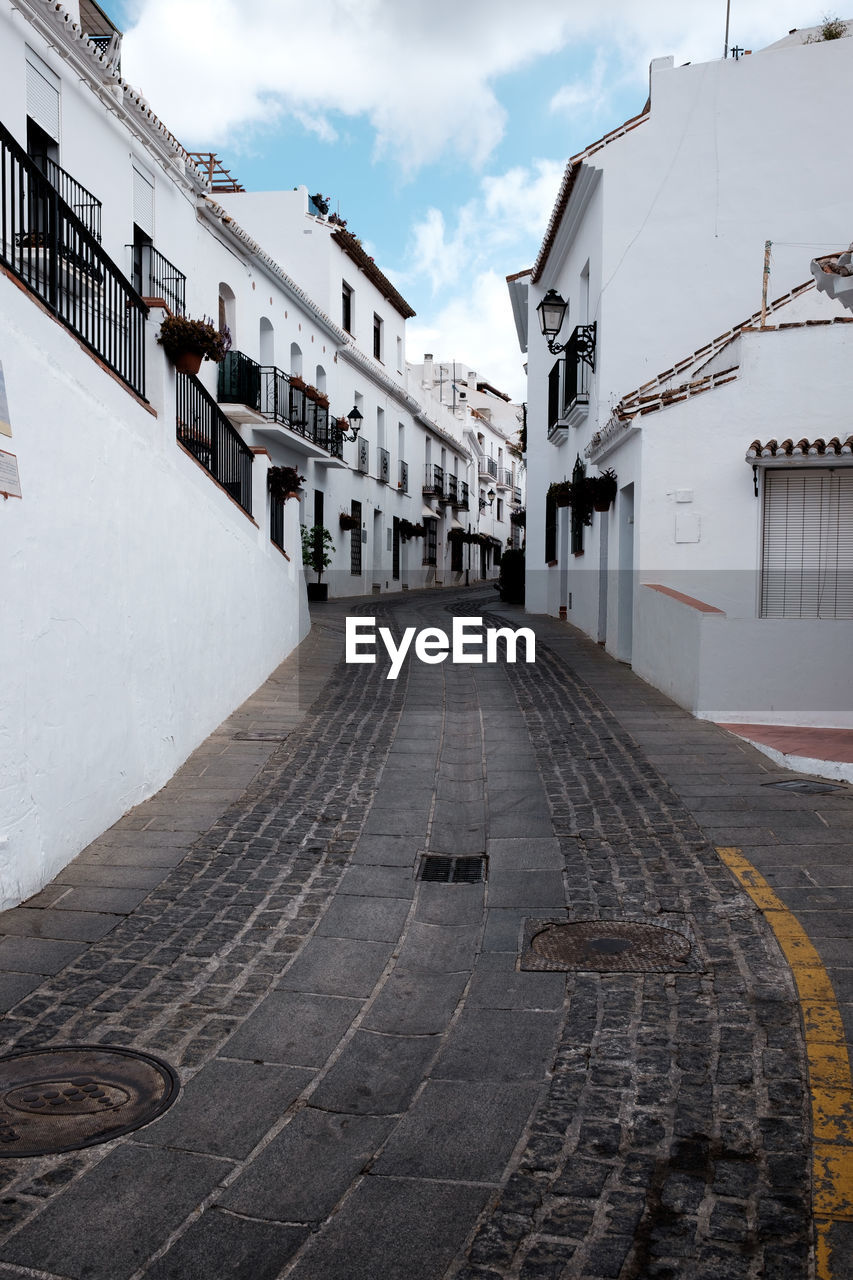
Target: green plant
{"points": [[561, 492], [179, 334], [518, 518], [409, 530], [601, 490], [316, 545], [348, 521], [284, 482], [322, 203], [831, 28]]}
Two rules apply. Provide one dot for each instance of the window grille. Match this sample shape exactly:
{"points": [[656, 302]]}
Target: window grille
{"points": [[807, 544], [355, 539]]}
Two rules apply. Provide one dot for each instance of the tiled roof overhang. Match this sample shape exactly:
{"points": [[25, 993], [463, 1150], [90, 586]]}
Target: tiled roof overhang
{"points": [[567, 186], [800, 450], [355, 250]]}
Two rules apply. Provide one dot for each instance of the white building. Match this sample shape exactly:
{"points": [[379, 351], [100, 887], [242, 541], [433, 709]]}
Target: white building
{"points": [[377, 482], [657, 243]]}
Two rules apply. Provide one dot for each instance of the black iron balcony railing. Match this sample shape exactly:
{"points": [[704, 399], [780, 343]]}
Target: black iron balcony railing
{"points": [[54, 254], [451, 488], [516, 493], [383, 462], [569, 380], [85, 205], [433, 479], [157, 277], [504, 477], [269, 391], [203, 429], [463, 496], [403, 482], [489, 467]]}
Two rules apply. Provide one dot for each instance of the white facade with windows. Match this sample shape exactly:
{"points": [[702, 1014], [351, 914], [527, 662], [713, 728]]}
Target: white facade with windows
{"points": [[657, 244]]}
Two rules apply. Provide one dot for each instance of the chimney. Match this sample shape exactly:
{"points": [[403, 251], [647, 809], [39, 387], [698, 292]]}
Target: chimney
{"points": [[472, 380], [429, 376]]}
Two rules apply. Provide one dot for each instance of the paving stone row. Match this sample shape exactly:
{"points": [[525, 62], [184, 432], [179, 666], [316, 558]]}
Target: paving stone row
{"points": [[674, 1137], [195, 958]]}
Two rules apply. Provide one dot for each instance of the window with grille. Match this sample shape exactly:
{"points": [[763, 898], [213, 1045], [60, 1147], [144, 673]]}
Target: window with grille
{"points": [[355, 539], [346, 306], [431, 541], [807, 543], [550, 530]]}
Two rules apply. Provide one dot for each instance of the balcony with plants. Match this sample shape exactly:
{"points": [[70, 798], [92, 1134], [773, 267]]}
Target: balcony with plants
{"points": [[569, 383], [280, 405]]}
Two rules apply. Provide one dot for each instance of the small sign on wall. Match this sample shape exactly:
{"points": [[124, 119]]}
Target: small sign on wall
{"points": [[5, 420], [10, 481]]}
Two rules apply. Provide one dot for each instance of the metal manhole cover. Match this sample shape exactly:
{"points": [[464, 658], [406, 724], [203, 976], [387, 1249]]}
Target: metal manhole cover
{"points": [[606, 946], [807, 786], [440, 869], [62, 1099]]}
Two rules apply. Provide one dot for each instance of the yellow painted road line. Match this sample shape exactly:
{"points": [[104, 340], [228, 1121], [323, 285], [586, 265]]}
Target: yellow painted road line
{"points": [[830, 1082]]}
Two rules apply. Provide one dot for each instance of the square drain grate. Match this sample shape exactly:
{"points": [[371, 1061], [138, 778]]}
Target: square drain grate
{"points": [[440, 869], [805, 786]]}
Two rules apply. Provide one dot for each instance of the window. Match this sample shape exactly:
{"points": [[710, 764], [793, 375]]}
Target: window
{"points": [[43, 87], [355, 539], [807, 546], [377, 337], [399, 355], [550, 530], [500, 507], [456, 551], [346, 306], [431, 543]]}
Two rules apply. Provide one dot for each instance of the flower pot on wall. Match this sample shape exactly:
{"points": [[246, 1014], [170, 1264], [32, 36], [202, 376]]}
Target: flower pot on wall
{"points": [[188, 362], [317, 590]]}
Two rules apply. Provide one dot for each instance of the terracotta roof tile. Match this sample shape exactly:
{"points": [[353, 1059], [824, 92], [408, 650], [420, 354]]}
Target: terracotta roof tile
{"points": [[567, 185], [803, 448]]}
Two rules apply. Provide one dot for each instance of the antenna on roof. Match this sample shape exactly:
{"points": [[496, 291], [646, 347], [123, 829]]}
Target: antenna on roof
{"points": [[726, 47]]}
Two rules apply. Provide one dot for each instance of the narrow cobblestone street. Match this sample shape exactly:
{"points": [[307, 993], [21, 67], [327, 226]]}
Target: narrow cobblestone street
{"points": [[377, 1079]]}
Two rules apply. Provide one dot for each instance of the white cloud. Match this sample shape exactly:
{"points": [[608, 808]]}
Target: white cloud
{"points": [[478, 329], [420, 73]]}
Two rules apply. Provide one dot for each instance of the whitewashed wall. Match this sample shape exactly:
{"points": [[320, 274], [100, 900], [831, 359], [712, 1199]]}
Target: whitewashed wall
{"points": [[140, 604]]}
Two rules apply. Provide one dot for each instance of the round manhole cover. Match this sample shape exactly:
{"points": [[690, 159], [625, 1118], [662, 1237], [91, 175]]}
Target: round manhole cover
{"points": [[610, 945], [62, 1099]]}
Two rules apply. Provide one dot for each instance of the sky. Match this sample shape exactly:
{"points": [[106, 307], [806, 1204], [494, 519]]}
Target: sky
{"points": [[439, 129]]}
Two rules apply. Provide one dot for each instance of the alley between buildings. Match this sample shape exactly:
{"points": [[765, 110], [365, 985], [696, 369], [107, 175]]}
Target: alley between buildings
{"points": [[330, 924]]}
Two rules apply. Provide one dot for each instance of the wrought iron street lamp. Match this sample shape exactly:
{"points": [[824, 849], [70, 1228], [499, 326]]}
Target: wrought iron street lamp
{"points": [[552, 312], [353, 420]]}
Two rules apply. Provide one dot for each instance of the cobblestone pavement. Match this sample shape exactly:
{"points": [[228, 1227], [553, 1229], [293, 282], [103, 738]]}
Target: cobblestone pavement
{"points": [[374, 1084]]}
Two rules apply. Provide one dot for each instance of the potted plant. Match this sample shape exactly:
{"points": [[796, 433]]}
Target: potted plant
{"points": [[187, 342], [602, 489], [297, 382], [311, 391], [518, 518], [409, 530], [349, 522], [316, 545], [284, 482], [561, 492], [322, 399]]}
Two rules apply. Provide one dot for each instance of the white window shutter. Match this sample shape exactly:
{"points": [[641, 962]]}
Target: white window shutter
{"points": [[143, 201], [43, 95], [807, 550]]}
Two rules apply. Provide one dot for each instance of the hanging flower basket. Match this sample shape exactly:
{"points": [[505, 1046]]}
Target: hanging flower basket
{"points": [[561, 492], [297, 382], [349, 522], [409, 530], [187, 342], [518, 518], [284, 482], [602, 489]]}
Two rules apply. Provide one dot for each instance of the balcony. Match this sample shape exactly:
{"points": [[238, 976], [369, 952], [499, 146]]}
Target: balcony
{"points": [[85, 205], [45, 245], [516, 494], [451, 493], [503, 478], [462, 502], [569, 382], [156, 277], [203, 429], [433, 481], [383, 462], [264, 394], [403, 481], [487, 468]]}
